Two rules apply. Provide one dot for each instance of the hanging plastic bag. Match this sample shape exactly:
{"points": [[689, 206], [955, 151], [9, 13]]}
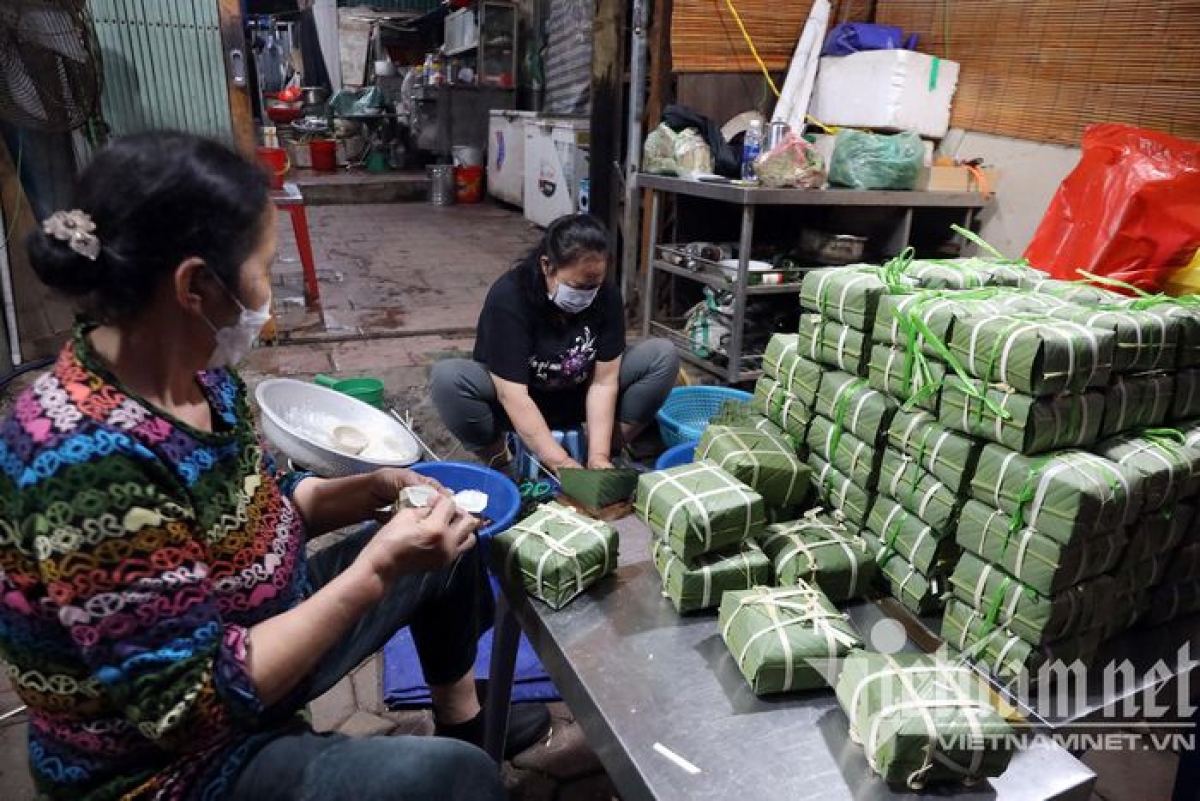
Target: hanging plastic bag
{"points": [[1130, 210], [792, 162], [876, 161], [855, 37]]}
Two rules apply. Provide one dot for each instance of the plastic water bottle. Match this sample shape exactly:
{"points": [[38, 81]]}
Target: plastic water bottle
{"points": [[751, 147]]}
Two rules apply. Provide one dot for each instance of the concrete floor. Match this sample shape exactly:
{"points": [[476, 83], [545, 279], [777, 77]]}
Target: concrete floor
{"points": [[402, 285]]}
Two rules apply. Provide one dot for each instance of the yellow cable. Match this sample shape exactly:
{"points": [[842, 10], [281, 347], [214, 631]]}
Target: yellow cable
{"points": [[753, 50]]}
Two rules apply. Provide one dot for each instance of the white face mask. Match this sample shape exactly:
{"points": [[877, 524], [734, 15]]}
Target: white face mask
{"points": [[572, 300], [235, 341]]}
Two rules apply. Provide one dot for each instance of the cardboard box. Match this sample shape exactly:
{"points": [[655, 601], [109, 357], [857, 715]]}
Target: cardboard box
{"points": [[956, 179]]}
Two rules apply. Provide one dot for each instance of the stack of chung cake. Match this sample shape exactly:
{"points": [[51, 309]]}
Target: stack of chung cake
{"points": [[703, 520], [924, 479]]}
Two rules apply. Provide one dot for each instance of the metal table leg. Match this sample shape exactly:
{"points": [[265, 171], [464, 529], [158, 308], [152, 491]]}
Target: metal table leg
{"points": [[737, 336], [506, 637], [648, 280]]}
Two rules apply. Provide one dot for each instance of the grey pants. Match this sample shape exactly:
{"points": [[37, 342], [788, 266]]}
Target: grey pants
{"points": [[466, 400]]}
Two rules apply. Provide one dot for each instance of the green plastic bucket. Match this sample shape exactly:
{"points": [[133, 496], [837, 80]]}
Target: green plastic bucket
{"points": [[367, 390]]}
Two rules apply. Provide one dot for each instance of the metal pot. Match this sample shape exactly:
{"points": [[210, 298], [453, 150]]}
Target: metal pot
{"points": [[826, 248], [314, 95]]}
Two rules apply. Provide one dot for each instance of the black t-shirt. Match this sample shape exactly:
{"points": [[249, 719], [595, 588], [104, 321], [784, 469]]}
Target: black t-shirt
{"points": [[553, 353]]}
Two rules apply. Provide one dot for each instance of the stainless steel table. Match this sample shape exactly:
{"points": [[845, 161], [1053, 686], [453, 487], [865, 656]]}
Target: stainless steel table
{"points": [[637, 674]]}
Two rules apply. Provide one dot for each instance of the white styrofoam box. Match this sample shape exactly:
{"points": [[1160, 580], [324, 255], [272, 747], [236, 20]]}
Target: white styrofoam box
{"points": [[556, 161], [506, 155], [895, 90]]}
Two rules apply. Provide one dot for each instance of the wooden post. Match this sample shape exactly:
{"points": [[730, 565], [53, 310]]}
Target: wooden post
{"points": [[607, 118], [661, 93], [233, 45]]}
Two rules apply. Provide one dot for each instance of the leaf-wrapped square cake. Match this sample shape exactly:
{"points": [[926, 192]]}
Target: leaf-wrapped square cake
{"points": [[922, 720], [924, 547], [911, 486], [1033, 354], [698, 508], [558, 553], [1137, 401], [821, 550], [1062, 495], [764, 460], [1141, 341], [1023, 423], [850, 402], [846, 452], [699, 584], [785, 638], [909, 376], [1168, 465], [950, 456], [849, 295], [834, 344], [839, 491], [796, 374]]}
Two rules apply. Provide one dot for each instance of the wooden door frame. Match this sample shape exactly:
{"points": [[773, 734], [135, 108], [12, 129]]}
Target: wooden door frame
{"points": [[241, 111]]}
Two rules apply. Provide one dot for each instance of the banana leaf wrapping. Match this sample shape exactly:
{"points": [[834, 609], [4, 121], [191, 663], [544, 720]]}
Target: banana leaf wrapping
{"points": [[948, 274], [785, 638], [783, 409], [1017, 275], [698, 508], [1184, 567], [1185, 400], [1035, 618], [918, 491], [904, 320], [1004, 654], [834, 344], [558, 553], [763, 460], [922, 546], [923, 720], [850, 402], [1045, 565], [1141, 341], [1160, 532], [1168, 466], [1063, 495], [909, 376], [746, 414], [849, 295], [819, 549], [1146, 573], [1033, 354], [1136, 401], [921, 594], [1130, 604], [1033, 425], [838, 491], [1080, 292], [1186, 315], [848, 454], [795, 374], [701, 583], [950, 456], [1173, 602]]}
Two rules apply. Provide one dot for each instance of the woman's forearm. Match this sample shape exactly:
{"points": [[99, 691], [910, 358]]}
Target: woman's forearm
{"points": [[327, 504], [601, 419], [533, 430], [287, 647]]}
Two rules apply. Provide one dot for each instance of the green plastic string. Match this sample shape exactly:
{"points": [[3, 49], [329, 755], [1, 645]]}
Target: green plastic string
{"points": [[983, 245], [1104, 280], [1025, 494], [953, 363], [997, 600], [841, 403]]}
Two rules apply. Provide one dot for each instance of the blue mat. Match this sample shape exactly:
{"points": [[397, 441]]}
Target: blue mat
{"points": [[404, 686]]}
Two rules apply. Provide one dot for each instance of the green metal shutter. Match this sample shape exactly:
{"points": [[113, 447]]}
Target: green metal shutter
{"points": [[164, 66]]}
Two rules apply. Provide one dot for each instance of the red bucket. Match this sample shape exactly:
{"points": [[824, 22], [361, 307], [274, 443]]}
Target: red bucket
{"points": [[324, 154], [468, 184], [275, 161]]}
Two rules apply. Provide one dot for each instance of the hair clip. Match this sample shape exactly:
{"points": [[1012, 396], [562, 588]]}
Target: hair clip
{"points": [[75, 228]]}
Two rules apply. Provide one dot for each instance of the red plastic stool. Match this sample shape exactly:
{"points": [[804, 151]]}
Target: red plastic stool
{"points": [[290, 200]]}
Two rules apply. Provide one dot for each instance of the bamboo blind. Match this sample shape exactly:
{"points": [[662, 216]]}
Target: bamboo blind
{"points": [[705, 37], [1046, 69]]}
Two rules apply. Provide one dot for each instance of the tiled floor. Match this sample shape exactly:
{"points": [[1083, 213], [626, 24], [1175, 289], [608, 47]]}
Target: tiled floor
{"points": [[402, 285]]}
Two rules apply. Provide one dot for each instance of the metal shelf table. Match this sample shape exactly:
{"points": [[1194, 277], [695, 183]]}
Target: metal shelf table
{"points": [[749, 199]]}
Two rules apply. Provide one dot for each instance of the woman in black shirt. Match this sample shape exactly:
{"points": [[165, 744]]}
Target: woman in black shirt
{"points": [[550, 354]]}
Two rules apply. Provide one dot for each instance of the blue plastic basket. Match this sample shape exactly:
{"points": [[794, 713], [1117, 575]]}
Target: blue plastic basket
{"points": [[678, 455], [504, 501], [688, 410]]}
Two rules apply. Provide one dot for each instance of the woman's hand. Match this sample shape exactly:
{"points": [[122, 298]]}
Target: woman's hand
{"points": [[420, 540], [600, 463], [386, 483]]}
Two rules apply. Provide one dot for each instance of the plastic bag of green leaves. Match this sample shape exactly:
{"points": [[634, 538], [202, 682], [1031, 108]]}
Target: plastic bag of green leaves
{"points": [[876, 161]]}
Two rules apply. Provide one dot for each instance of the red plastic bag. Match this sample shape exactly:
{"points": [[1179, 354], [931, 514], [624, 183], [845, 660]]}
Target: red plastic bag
{"points": [[1129, 211]]}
